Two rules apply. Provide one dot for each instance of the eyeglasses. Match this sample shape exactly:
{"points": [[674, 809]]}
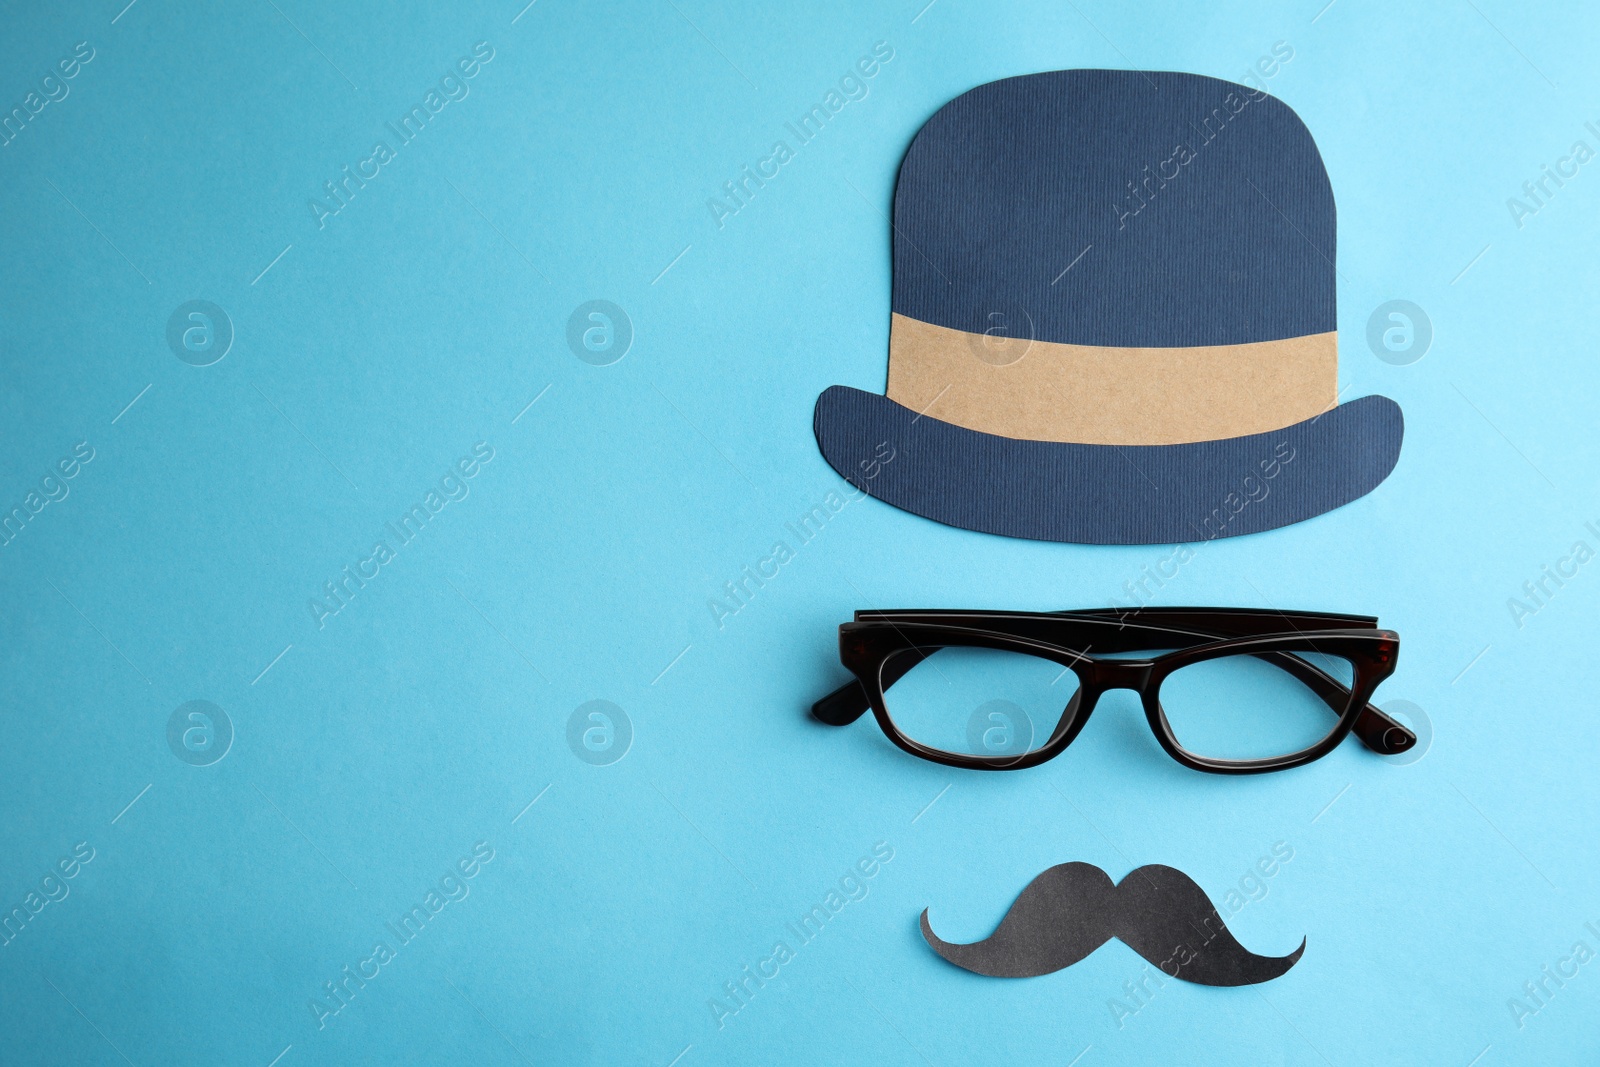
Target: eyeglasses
{"points": [[1232, 690]]}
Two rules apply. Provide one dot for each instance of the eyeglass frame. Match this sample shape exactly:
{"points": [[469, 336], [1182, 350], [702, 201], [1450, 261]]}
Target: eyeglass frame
{"points": [[874, 639]]}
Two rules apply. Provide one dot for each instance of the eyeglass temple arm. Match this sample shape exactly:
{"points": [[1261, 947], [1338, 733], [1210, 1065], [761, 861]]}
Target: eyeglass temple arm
{"points": [[1373, 728], [1230, 622], [841, 707], [849, 702]]}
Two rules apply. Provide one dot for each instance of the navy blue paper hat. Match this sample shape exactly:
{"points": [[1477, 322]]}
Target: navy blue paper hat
{"points": [[1113, 320]]}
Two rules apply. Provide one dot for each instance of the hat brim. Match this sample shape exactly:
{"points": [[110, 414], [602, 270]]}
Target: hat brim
{"points": [[1107, 494]]}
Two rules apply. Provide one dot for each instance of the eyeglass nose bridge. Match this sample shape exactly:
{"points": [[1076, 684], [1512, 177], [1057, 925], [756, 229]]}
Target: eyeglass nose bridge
{"points": [[1121, 674]]}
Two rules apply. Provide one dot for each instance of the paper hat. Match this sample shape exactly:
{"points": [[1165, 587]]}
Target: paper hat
{"points": [[1113, 320]]}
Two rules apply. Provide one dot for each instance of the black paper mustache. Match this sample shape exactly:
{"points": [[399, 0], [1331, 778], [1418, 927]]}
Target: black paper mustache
{"points": [[1073, 908]]}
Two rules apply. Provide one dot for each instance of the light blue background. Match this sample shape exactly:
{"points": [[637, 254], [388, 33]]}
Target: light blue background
{"points": [[425, 716]]}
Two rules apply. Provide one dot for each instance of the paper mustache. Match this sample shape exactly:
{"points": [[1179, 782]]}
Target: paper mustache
{"points": [[1073, 908]]}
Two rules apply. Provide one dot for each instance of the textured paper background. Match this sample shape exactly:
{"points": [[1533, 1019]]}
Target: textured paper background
{"points": [[627, 497]]}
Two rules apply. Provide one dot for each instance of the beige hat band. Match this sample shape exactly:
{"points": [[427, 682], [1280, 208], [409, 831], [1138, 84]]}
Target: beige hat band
{"points": [[1046, 391]]}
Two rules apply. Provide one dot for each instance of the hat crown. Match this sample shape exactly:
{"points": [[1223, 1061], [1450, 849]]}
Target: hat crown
{"points": [[1191, 211]]}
